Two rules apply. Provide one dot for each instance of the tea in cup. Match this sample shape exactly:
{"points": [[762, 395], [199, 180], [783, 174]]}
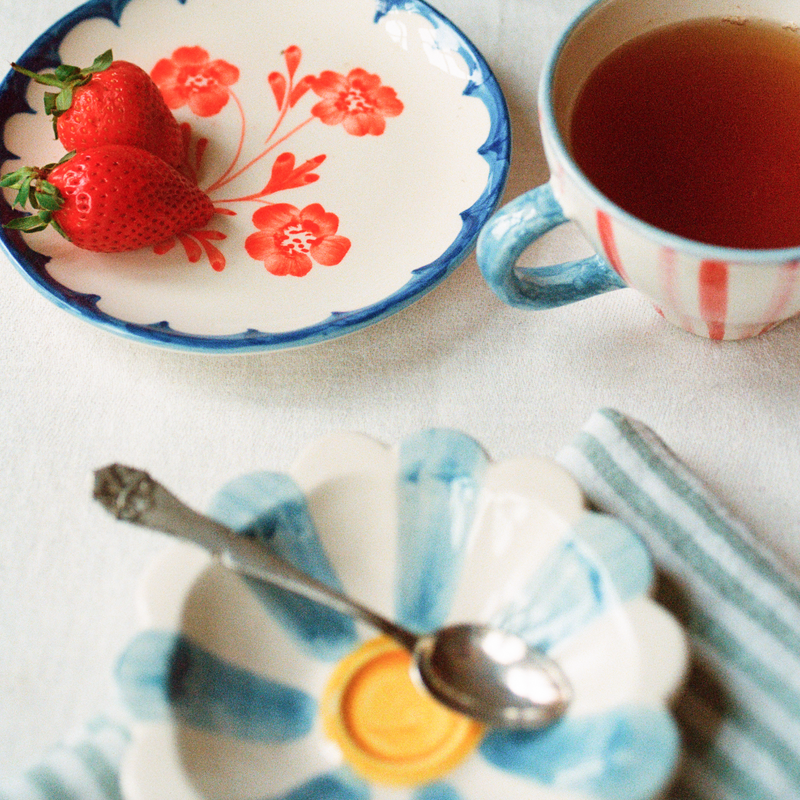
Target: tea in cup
{"points": [[672, 132]]}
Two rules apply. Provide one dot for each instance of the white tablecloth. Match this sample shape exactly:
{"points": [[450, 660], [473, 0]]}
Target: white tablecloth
{"points": [[75, 398]]}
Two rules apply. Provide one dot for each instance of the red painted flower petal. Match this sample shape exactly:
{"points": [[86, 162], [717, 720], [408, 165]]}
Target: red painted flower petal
{"points": [[174, 96], [297, 264], [164, 72], [278, 85], [189, 56], [222, 72], [330, 250], [192, 247], [260, 246], [209, 102], [363, 80], [364, 123], [275, 217], [292, 56], [329, 111], [299, 90], [325, 222], [329, 83], [387, 103]]}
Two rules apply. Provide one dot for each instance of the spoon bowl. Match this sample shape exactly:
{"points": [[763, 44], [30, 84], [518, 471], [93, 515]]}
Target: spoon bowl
{"points": [[492, 676], [482, 672]]}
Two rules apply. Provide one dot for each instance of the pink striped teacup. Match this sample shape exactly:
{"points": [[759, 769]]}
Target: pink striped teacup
{"points": [[712, 291]]}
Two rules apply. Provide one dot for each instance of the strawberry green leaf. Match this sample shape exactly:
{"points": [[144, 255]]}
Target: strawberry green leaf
{"points": [[49, 202], [50, 102], [12, 180], [34, 190], [45, 187], [101, 63], [33, 223], [64, 72], [23, 195], [20, 180], [30, 224], [66, 157], [63, 100]]}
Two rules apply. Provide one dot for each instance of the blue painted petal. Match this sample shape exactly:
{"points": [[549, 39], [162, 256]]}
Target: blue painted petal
{"points": [[437, 791], [621, 552], [600, 564], [162, 673], [624, 754], [271, 508], [340, 785], [439, 479]]}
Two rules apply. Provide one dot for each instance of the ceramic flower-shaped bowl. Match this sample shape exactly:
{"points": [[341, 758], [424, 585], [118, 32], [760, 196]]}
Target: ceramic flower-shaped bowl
{"points": [[242, 691]]}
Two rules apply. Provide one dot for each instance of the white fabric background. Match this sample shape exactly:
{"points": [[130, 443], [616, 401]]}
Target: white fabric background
{"points": [[73, 398]]}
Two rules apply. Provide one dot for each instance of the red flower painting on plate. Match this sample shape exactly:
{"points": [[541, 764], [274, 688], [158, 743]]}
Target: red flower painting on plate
{"points": [[288, 240], [356, 101], [191, 78]]}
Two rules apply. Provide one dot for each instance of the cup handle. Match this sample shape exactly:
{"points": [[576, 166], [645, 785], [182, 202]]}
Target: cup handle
{"points": [[516, 226]]}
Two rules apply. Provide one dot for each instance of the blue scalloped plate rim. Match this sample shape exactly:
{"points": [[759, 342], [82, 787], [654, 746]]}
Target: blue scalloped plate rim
{"points": [[43, 54]]}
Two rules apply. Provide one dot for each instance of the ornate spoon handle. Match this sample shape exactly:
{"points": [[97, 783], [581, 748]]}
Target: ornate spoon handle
{"points": [[132, 495]]}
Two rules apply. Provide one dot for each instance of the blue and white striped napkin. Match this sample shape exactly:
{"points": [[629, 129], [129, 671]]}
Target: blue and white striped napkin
{"points": [[85, 767], [740, 710]]}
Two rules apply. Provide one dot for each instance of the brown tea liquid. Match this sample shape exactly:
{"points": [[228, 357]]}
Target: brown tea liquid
{"points": [[695, 128]]}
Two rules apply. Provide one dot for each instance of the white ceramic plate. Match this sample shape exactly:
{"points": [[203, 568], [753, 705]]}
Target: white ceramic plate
{"points": [[225, 679], [387, 202]]}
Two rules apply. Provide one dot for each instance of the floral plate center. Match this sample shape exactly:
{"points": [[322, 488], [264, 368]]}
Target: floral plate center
{"points": [[390, 731]]}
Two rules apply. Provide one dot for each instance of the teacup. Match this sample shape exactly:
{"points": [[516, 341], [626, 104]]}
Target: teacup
{"points": [[716, 291]]}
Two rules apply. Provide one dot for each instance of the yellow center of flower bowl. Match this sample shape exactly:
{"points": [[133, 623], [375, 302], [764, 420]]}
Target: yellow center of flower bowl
{"points": [[390, 731]]}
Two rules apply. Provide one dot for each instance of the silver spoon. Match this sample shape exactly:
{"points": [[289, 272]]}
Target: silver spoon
{"points": [[482, 672]]}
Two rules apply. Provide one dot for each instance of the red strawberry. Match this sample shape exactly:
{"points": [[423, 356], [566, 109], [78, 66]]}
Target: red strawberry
{"points": [[111, 102], [110, 199]]}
